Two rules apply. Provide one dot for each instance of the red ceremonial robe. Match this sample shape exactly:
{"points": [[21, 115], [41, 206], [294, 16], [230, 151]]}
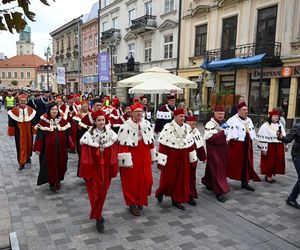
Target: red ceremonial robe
{"points": [[138, 153], [240, 160], [217, 157], [174, 160], [20, 125], [274, 162], [97, 167], [52, 142]]}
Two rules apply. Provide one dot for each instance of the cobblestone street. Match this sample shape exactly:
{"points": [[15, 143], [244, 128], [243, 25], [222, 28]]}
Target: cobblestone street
{"points": [[43, 220]]}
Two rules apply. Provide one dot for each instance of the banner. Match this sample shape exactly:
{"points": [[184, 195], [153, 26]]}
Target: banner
{"points": [[61, 78], [104, 67]]}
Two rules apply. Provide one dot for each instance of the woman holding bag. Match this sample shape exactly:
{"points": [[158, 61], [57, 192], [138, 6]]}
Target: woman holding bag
{"points": [[98, 164]]}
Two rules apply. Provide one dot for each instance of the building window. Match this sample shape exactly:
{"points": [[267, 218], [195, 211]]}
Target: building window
{"points": [[76, 37], [85, 69], [266, 30], [131, 50], [8, 74], [229, 37], [105, 26], [254, 97], [169, 5], [57, 45], [115, 23], [91, 67], [3, 74], [96, 41], [227, 84], [28, 75], [200, 40], [62, 44], [69, 41], [85, 43], [168, 46], [15, 74], [148, 51], [131, 16], [148, 8], [22, 75], [114, 56], [91, 42], [96, 67]]}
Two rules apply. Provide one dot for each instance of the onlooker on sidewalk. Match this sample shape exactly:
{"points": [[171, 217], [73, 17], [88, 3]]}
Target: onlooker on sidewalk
{"points": [[293, 135]]}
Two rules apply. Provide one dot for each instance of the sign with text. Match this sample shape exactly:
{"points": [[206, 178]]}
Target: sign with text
{"points": [[61, 77], [103, 67], [288, 71]]}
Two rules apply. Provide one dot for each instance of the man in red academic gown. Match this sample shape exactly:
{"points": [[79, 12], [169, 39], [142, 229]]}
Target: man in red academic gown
{"points": [[69, 109], [136, 153], [21, 120], [199, 146], [126, 114], [240, 135], [165, 114], [217, 155], [176, 154]]}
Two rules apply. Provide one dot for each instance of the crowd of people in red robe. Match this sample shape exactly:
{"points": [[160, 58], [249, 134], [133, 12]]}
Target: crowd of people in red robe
{"points": [[110, 137]]}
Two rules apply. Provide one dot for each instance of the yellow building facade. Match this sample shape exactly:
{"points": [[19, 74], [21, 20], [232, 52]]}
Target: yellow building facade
{"points": [[220, 35]]}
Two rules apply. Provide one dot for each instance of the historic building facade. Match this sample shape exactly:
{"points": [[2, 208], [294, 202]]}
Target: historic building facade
{"points": [[220, 35], [139, 34], [67, 54]]}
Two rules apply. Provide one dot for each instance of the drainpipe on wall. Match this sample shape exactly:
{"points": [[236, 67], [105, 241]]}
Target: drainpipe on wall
{"points": [[179, 34]]}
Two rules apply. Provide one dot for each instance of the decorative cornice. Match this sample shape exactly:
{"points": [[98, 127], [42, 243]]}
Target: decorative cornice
{"points": [[130, 36], [167, 24]]}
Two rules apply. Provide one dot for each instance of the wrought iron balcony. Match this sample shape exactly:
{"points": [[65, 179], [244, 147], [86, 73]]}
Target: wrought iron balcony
{"points": [[143, 24], [111, 34], [271, 49], [125, 68]]}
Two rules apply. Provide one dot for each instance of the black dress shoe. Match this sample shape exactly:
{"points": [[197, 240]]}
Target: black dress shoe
{"points": [[134, 210], [102, 219], [100, 226], [21, 167], [160, 198], [220, 198], [294, 204], [269, 181], [247, 187], [178, 205], [28, 161], [192, 202], [140, 207]]}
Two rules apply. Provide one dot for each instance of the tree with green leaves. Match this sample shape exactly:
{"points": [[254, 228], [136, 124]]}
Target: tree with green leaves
{"points": [[14, 12], [14, 82]]}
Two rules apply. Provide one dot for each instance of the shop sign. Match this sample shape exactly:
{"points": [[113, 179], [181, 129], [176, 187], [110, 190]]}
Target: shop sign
{"points": [[276, 72]]}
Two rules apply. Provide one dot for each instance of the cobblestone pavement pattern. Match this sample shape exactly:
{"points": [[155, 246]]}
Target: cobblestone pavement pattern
{"points": [[43, 220]]}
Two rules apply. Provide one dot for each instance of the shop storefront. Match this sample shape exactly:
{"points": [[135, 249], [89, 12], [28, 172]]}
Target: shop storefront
{"points": [[275, 87]]}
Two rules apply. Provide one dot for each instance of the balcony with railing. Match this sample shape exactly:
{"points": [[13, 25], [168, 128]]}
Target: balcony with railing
{"points": [[271, 49], [143, 24], [111, 34], [127, 68]]}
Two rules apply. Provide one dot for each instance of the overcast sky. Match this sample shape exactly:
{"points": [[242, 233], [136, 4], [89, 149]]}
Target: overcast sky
{"points": [[48, 18]]}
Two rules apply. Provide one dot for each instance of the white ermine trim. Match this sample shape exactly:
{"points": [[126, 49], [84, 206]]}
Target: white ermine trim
{"points": [[125, 160], [162, 159], [193, 156]]}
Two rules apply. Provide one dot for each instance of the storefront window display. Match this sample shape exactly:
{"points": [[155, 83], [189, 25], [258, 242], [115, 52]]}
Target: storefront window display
{"points": [[254, 97], [283, 94]]}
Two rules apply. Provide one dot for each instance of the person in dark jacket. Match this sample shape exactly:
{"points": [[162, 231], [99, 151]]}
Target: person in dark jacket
{"points": [[293, 135]]}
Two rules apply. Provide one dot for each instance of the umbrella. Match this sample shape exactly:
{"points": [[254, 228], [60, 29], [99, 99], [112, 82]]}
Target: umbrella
{"points": [[155, 86], [157, 73]]}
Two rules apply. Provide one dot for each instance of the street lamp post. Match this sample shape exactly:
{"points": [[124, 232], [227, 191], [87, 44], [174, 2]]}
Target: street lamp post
{"points": [[47, 54], [111, 47], [99, 45]]}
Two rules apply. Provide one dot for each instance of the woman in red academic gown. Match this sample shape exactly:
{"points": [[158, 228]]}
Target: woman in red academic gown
{"points": [[51, 145], [98, 164], [272, 160]]}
